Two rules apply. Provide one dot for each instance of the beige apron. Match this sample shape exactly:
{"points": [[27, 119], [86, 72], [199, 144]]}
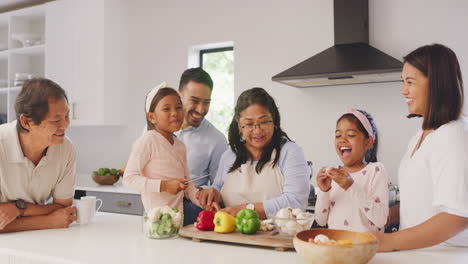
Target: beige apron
{"points": [[245, 185]]}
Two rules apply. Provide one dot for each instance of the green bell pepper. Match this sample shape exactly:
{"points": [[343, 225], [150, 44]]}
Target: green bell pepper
{"points": [[247, 221]]}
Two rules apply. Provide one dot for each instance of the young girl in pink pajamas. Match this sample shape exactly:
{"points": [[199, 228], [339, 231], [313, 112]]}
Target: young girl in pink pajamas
{"points": [[354, 196], [157, 166]]}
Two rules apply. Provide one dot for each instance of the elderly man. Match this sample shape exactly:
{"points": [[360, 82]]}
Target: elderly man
{"points": [[205, 143], [37, 161]]}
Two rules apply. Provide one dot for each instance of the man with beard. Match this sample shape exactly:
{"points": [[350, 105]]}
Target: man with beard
{"points": [[205, 143]]}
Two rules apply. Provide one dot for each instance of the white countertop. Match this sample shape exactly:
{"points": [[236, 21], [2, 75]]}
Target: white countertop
{"points": [[84, 182], [116, 238]]}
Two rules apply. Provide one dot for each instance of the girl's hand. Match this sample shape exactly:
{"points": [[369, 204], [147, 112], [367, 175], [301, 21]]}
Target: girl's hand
{"points": [[323, 180], [173, 186], [341, 177]]}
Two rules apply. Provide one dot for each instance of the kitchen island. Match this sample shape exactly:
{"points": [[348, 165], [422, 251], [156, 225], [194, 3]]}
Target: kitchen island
{"points": [[118, 238]]}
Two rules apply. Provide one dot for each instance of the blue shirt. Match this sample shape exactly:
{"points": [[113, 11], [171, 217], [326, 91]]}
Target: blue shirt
{"points": [[205, 145], [296, 175]]}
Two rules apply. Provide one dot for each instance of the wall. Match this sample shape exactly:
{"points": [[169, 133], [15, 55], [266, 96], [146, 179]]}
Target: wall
{"points": [[270, 36]]}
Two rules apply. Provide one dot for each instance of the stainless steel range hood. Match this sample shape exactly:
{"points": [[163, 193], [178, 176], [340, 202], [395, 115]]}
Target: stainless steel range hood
{"points": [[351, 60]]}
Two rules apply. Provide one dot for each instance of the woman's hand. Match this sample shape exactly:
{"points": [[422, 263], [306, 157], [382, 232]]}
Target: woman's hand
{"points": [[173, 186], [323, 181], [386, 241], [341, 177], [232, 210], [208, 198]]}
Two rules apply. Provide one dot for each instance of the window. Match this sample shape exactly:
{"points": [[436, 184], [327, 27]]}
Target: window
{"points": [[219, 63]]}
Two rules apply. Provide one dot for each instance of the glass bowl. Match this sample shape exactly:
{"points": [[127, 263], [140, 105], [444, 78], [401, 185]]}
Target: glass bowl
{"points": [[291, 226], [162, 225]]}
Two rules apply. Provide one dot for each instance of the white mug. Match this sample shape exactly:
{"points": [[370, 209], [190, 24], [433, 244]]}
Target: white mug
{"points": [[92, 200], [83, 211]]}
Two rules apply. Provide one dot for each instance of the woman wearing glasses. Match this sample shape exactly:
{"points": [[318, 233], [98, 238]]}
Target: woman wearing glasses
{"points": [[263, 169]]}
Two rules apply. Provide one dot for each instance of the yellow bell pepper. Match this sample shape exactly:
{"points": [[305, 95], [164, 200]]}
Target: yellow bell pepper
{"points": [[224, 222]]}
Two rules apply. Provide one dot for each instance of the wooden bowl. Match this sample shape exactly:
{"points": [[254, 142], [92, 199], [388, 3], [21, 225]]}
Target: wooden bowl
{"points": [[106, 180], [363, 248]]}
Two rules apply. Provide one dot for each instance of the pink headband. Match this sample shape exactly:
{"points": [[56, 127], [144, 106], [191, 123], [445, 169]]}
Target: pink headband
{"points": [[363, 119]]}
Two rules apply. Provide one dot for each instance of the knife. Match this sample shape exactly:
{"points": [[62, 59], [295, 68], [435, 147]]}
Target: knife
{"points": [[201, 177]]}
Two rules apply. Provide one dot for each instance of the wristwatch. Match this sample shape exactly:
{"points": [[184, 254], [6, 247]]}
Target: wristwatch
{"points": [[21, 205]]}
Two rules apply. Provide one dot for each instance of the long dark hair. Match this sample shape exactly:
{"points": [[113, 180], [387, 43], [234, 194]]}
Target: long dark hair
{"points": [[440, 65], [163, 92], [371, 154], [247, 98]]}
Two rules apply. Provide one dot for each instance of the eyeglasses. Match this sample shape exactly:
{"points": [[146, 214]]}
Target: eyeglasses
{"points": [[261, 125]]}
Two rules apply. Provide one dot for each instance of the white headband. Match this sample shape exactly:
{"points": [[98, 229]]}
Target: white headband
{"points": [[152, 93]]}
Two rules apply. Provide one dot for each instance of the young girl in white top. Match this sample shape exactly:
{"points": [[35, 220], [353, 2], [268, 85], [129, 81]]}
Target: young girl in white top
{"points": [[157, 166], [354, 196]]}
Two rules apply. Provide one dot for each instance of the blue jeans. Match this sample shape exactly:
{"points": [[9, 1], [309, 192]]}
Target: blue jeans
{"points": [[191, 212]]}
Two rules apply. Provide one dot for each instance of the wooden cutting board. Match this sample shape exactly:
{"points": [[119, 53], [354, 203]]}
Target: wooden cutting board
{"points": [[265, 239]]}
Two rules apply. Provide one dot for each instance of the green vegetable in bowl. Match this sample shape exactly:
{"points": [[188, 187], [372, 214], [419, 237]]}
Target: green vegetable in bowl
{"points": [[101, 171], [162, 222], [165, 217], [166, 228], [106, 172]]}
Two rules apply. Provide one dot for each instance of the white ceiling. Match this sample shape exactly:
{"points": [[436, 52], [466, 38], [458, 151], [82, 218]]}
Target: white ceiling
{"points": [[6, 5]]}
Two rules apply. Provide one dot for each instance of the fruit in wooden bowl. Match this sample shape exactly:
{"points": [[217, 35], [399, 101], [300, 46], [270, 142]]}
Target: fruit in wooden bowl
{"points": [[106, 176], [335, 246]]}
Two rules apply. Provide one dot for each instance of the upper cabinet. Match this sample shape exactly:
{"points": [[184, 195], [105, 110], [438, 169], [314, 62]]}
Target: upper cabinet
{"points": [[87, 55], [80, 44], [22, 54]]}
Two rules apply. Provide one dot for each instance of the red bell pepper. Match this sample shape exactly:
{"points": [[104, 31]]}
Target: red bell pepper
{"points": [[205, 220]]}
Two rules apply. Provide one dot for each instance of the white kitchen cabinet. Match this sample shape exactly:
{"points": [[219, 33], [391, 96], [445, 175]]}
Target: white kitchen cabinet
{"points": [[115, 198], [86, 53], [120, 203], [25, 56], [82, 45]]}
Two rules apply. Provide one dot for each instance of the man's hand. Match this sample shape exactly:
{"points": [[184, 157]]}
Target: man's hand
{"points": [[62, 218], [207, 197], [8, 213], [215, 207]]}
